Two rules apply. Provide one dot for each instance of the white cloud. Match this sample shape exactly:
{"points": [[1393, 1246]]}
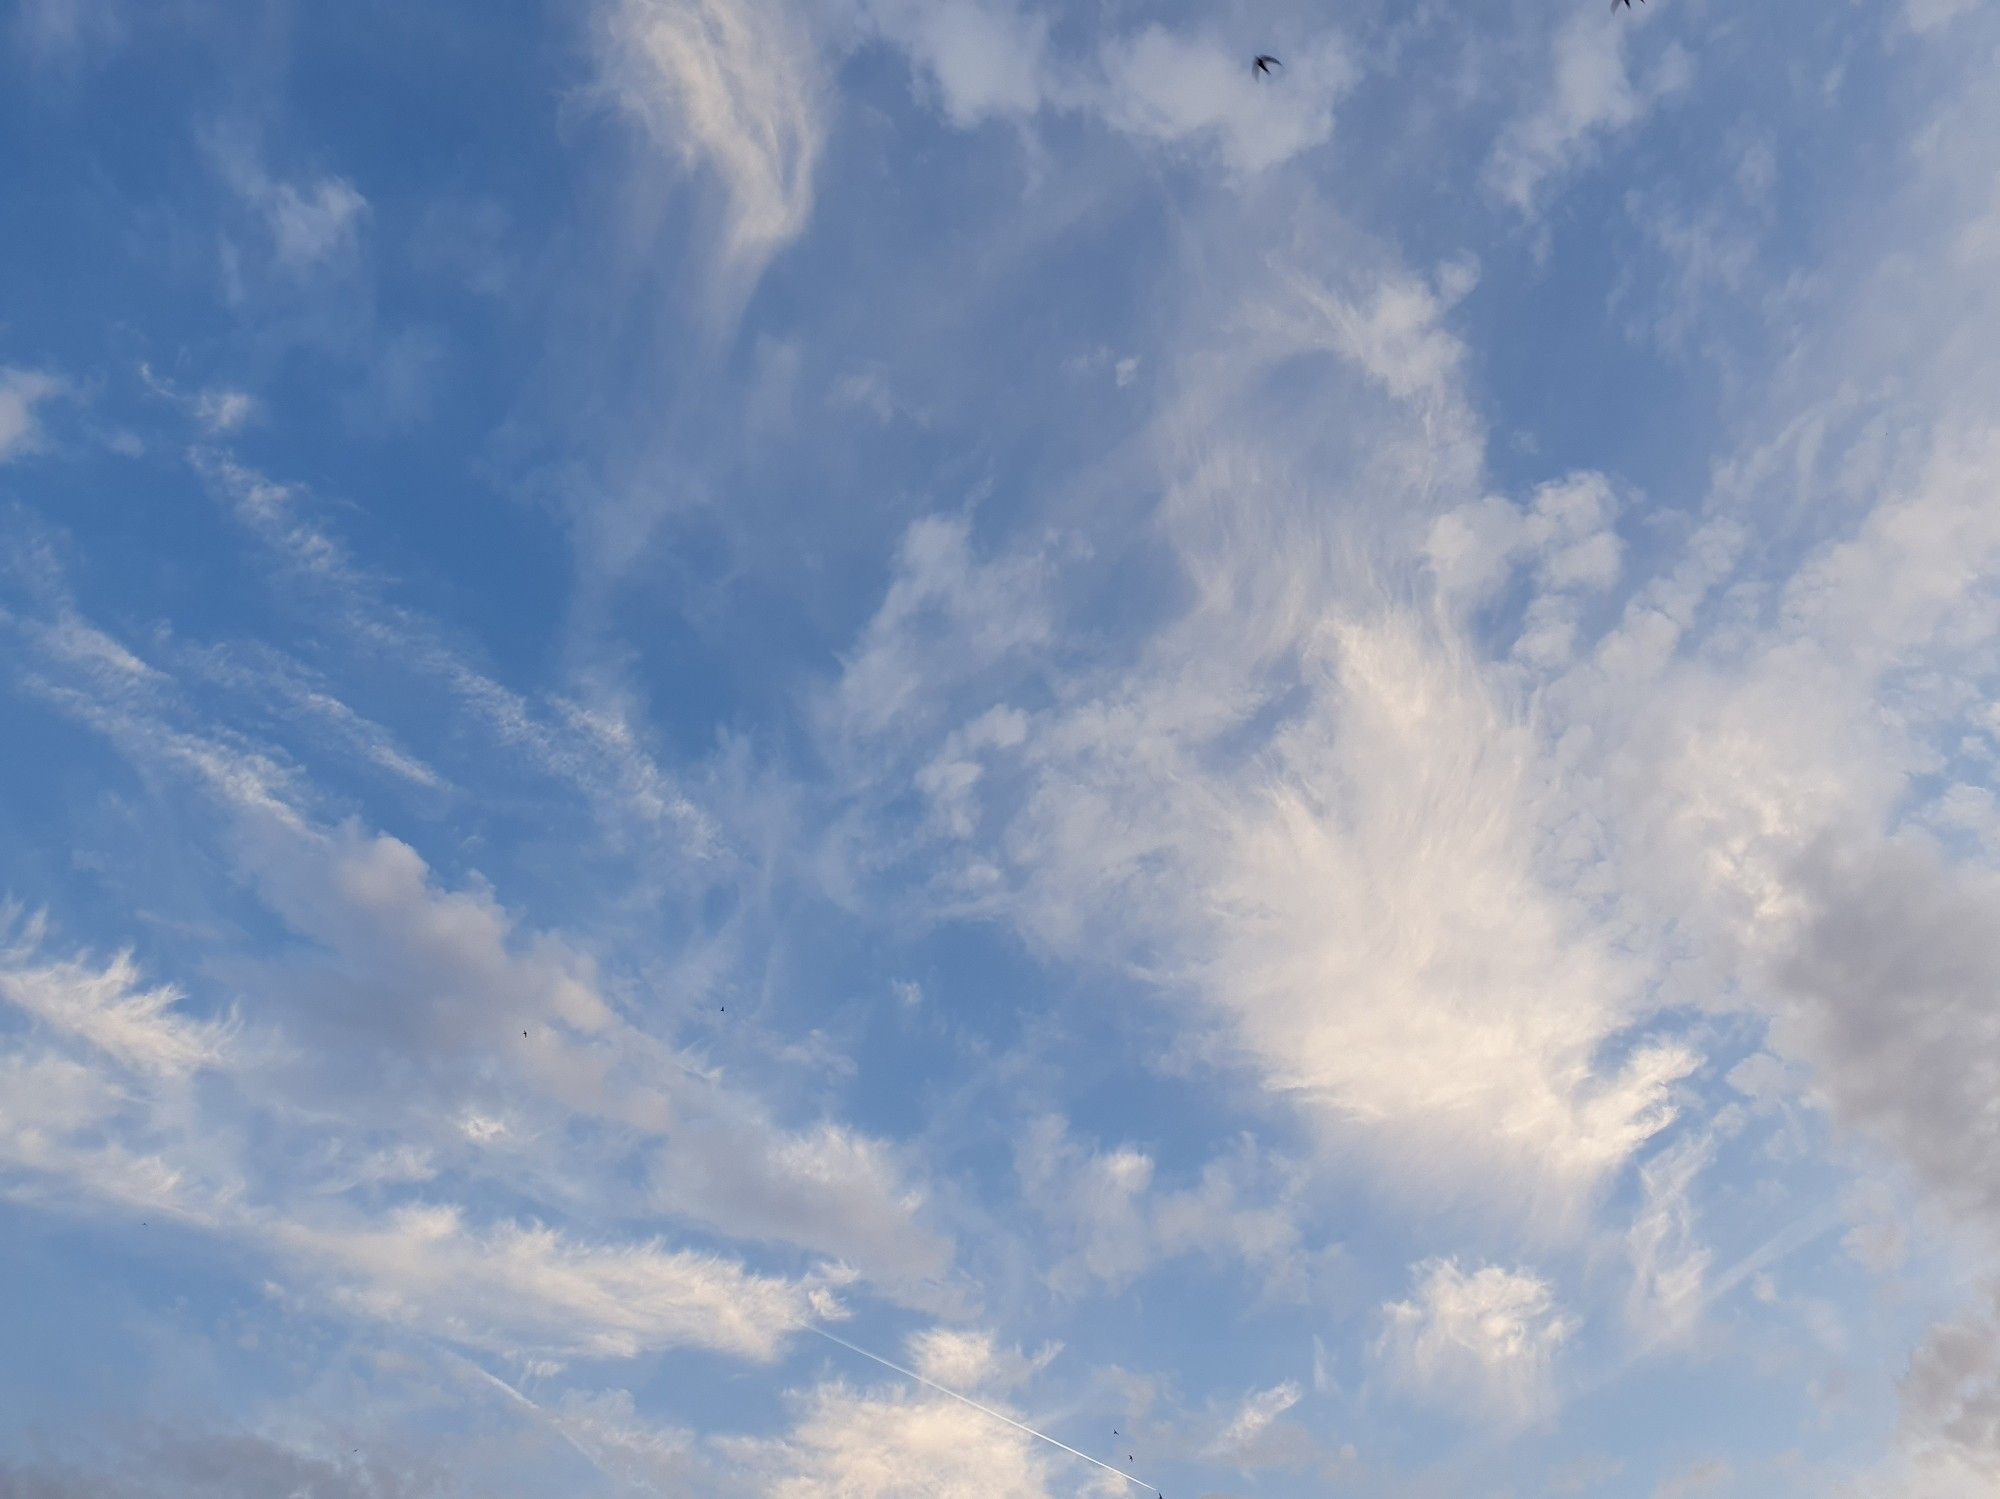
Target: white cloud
{"points": [[398, 1019], [590, 745], [736, 88], [947, 615], [1177, 89], [970, 1361], [220, 410], [826, 1187], [217, 409], [898, 1444], [410, 962], [1109, 1222], [106, 1005], [314, 224], [1564, 536], [951, 780], [437, 973], [1487, 1340], [1300, 796], [1258, 1437], [311, 225], [1669, 1266], [1589, 93], [103, 1140], [1394, 331], [21, 391], [982, 59], [1364, 906], [992, 59], [291, 691], [649, 1456], [512, 1287]]}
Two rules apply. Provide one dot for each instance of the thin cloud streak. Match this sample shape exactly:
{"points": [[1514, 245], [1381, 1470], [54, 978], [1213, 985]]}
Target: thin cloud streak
{"points": [[986, 1410]]}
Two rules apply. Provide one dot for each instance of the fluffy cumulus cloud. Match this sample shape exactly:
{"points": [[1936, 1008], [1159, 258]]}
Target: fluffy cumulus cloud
{"points": [[1488, 1338], [862, 748], [892, 1444]]}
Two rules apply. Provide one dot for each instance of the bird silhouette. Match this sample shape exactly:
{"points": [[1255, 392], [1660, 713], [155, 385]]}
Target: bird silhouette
{"points": [[1626, 3], [1263, 62]]}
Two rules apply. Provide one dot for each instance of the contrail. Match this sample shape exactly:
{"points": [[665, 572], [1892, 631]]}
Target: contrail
{"points": [[1786, 1242], [983, 1409], [546, 1417]]}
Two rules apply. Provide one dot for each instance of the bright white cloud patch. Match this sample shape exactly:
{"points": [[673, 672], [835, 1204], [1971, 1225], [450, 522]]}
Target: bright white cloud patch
{"points": [[1486, 1339], [1256, 1436], [732, 86], [105, 1005], [892, 1444], [515, 1287]]}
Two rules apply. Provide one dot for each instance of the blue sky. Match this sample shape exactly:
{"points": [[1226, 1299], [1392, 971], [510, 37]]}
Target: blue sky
{"points": [[1300, 767]]}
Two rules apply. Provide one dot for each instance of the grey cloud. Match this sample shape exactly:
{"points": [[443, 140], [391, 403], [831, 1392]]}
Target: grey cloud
{"points": [[1893, 997]]}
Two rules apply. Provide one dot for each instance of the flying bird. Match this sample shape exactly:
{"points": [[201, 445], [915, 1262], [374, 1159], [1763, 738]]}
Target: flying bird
{"points": [[1263, 63], [1626, 3]]}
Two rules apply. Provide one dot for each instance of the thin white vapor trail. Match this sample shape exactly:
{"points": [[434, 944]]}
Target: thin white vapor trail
{"points": [[983, 1409], [1786, 1242], [546, 1417]]}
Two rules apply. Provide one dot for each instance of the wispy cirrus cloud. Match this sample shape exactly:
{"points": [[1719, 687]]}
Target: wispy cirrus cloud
{"points": [[734, 88], [104, 1004], [21, 393], [1589, 92]]}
